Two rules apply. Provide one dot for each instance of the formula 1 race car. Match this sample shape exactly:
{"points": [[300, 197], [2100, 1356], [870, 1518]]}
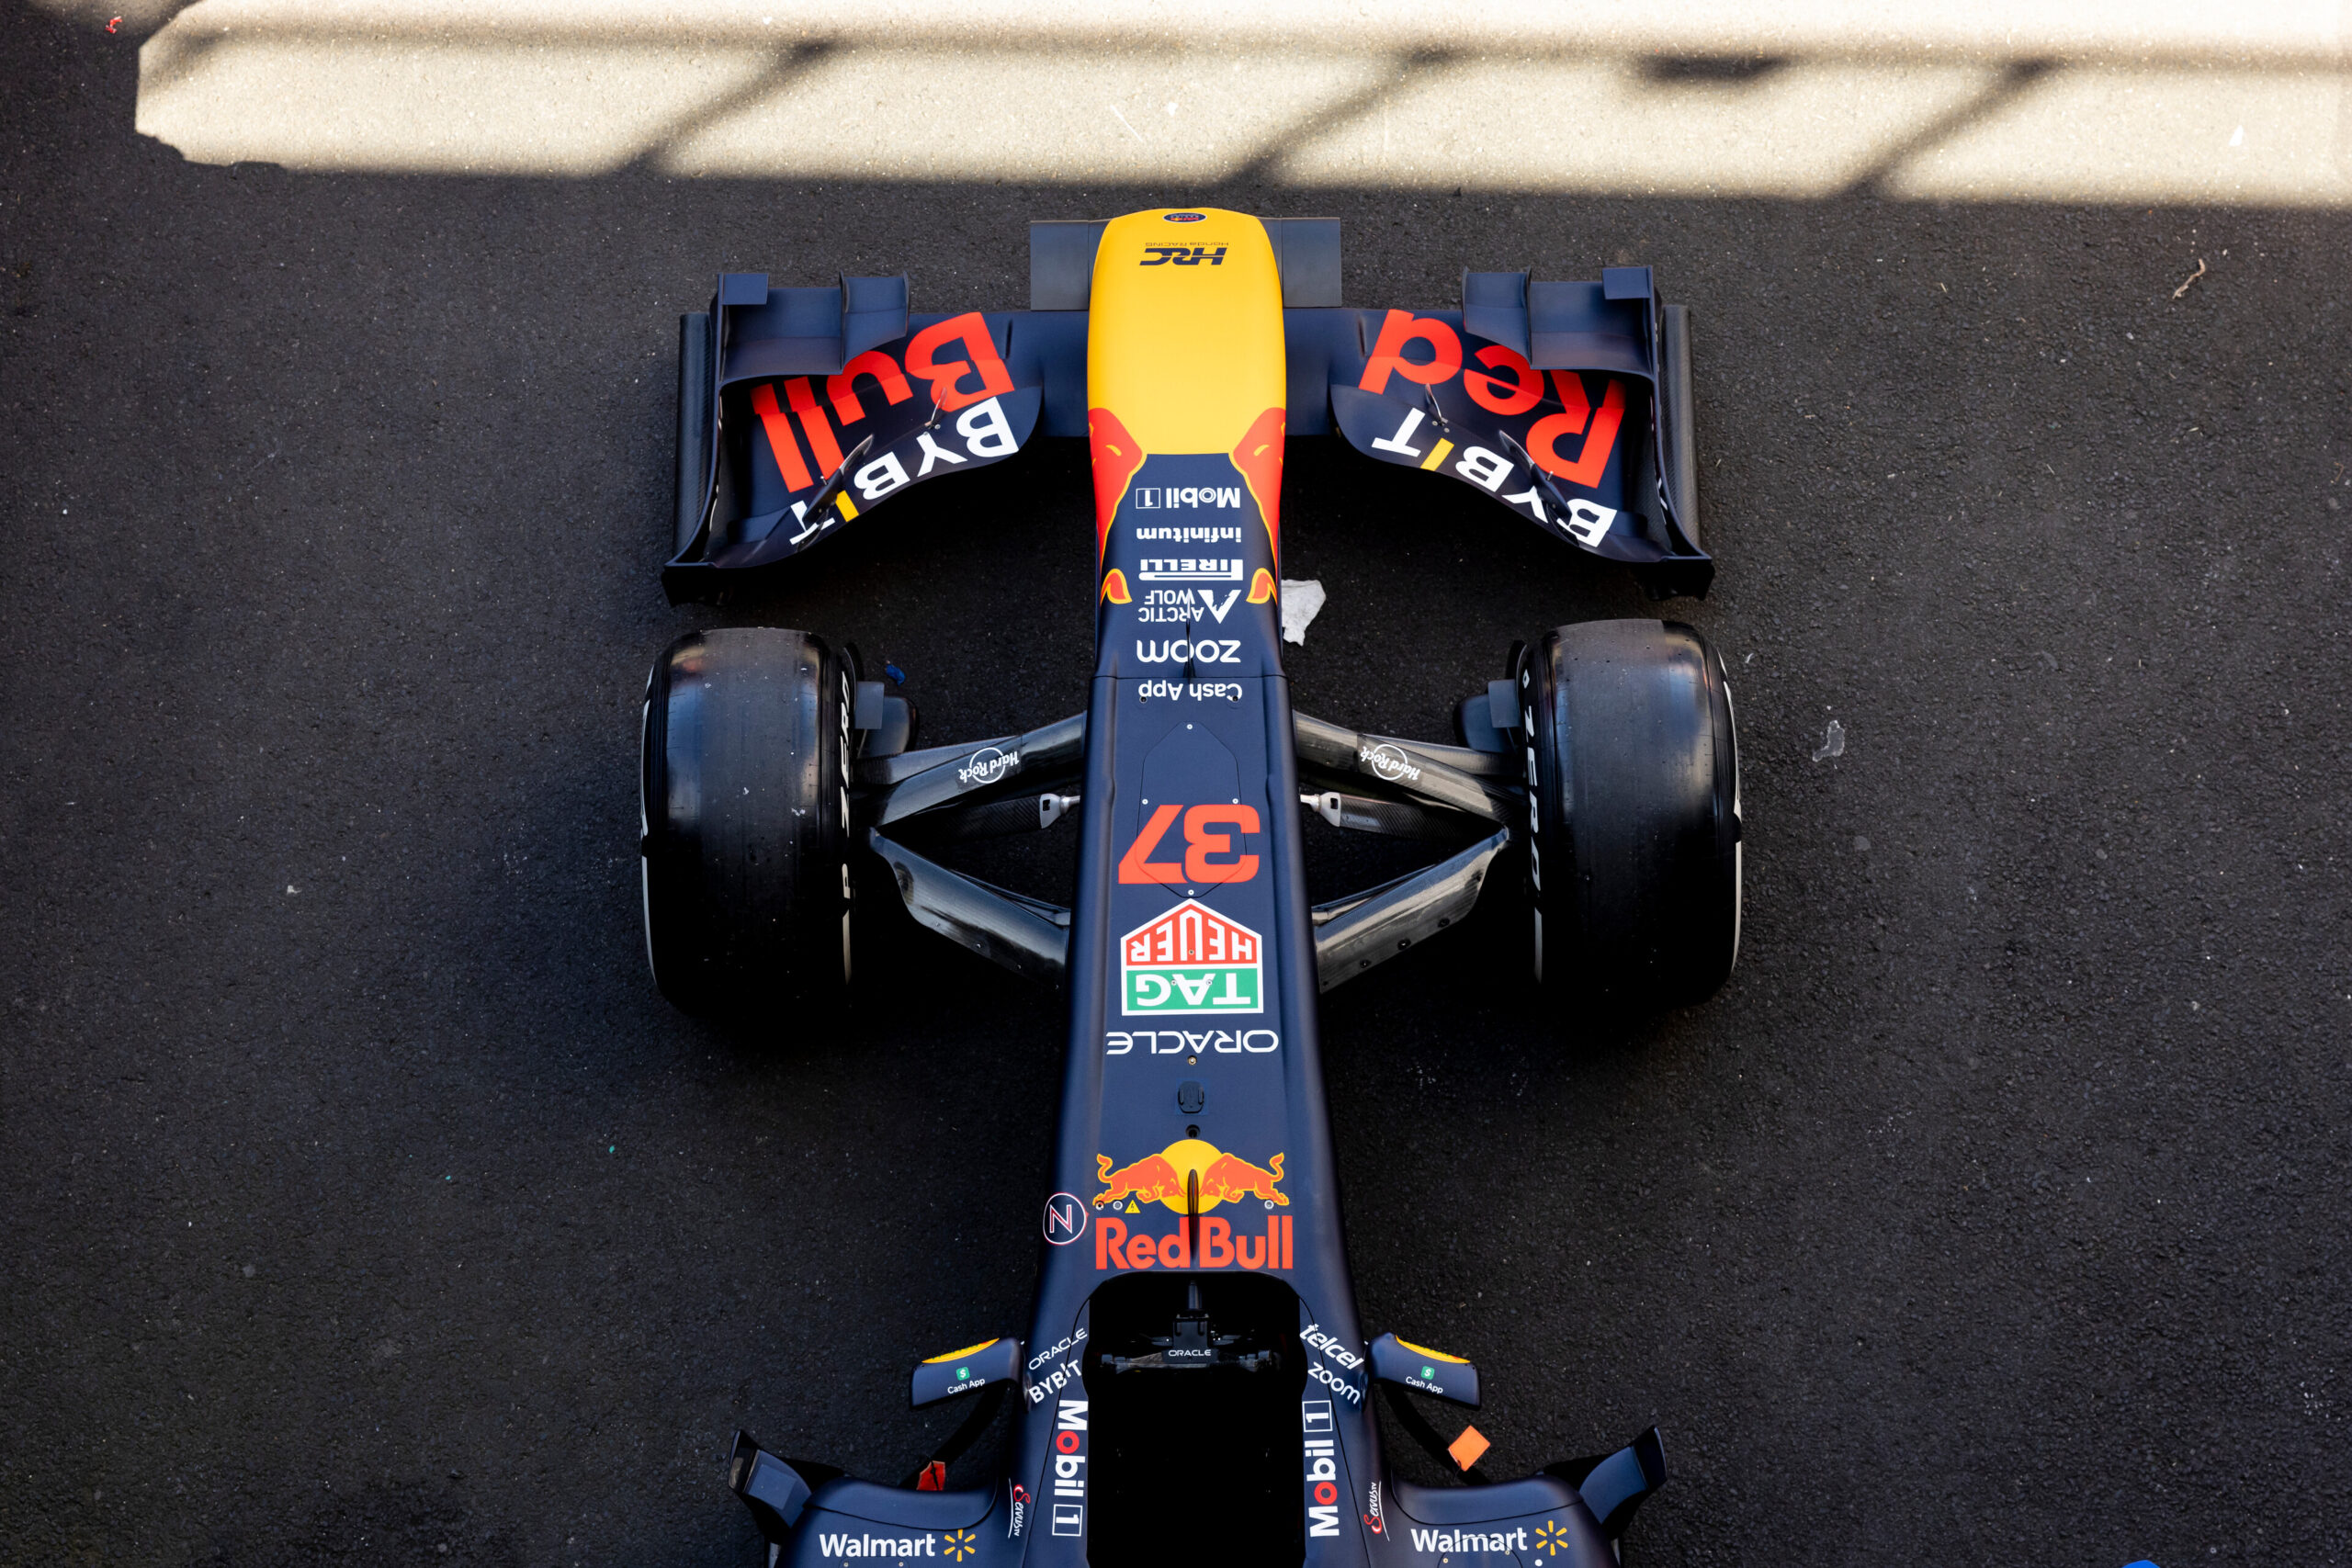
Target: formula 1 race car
{"points": [[1193, 1296]]}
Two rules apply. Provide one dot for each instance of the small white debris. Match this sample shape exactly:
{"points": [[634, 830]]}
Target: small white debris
{"points": [[2237, 137], [1302, 601], [290, 889], [1833, 744]]}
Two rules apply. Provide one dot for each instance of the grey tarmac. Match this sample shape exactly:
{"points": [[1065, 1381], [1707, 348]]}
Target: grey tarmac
{"points": [[362, 1197]]}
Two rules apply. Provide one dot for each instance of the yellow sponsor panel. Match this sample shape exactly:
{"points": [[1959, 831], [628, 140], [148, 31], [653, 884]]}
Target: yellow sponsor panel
{"points": [[1427, 1354], [957, 1355], [1184, 343]]}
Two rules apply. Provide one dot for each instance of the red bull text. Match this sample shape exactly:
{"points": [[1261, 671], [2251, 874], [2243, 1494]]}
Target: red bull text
{"points": [[1221, 1247]]}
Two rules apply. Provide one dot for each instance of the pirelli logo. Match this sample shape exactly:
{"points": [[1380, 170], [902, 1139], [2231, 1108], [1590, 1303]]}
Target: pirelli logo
{"points": [[1190, 568]]}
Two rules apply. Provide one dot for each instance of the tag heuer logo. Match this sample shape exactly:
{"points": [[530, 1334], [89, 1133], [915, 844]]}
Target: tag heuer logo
{"points": [[1191, 960]]}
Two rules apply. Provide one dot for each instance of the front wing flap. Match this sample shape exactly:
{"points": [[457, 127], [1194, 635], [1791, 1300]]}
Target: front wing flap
{"points": [[802, 408], [1544, 395], [810, 411]]}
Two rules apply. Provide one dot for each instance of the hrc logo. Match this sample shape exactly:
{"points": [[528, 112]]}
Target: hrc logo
{"points": [[1184, 255]]}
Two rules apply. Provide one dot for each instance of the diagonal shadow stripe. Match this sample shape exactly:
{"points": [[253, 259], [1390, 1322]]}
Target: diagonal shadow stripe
{"points": [[2015, 80], [1259, 167], [789, 65]]}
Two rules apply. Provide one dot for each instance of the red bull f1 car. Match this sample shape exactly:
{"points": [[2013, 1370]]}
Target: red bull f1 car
{"points": [[1194, 1295]]}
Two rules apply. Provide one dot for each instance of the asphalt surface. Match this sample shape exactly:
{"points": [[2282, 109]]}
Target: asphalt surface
{"points": [[364, 1202]]}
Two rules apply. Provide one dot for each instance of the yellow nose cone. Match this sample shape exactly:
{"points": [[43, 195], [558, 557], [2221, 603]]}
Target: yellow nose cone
{"points": [[1184, 343]]}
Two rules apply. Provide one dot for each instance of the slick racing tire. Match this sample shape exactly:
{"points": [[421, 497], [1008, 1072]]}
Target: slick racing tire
{"points": [[744, 806], [1634, 860]]}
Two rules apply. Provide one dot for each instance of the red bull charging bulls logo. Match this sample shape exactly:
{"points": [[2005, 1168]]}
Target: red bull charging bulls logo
{"points": [[1191, 1177]]}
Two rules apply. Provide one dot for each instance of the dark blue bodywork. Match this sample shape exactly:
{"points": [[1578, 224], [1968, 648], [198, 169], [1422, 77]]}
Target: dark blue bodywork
{"points": [[1190, 708], [1193, 1187]]}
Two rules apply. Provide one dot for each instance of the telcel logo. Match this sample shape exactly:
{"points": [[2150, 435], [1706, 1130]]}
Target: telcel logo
{"points": [[1329, 1344]]}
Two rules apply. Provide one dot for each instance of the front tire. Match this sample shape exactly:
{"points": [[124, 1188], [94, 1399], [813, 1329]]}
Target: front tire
{"points": [[744, 806], [1634, 862]]}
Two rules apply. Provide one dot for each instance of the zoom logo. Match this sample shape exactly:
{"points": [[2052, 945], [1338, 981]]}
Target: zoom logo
{"points": [[1335, 1382], [1203, 651]]}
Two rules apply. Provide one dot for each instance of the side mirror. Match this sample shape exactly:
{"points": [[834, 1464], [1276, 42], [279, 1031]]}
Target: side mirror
{"points": [[1425, 1370], [967, 1371], [773, 1489]]}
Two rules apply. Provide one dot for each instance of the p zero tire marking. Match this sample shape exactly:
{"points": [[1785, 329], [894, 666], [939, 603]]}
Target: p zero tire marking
{"points": [[846, 704], [645, 827]]}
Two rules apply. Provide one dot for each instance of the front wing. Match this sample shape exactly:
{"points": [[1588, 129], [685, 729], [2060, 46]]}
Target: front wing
{"points": [[1569, 404]]}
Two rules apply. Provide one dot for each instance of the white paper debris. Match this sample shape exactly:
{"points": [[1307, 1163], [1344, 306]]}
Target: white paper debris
{"points": [[1301, 600], [1833, 744]]}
